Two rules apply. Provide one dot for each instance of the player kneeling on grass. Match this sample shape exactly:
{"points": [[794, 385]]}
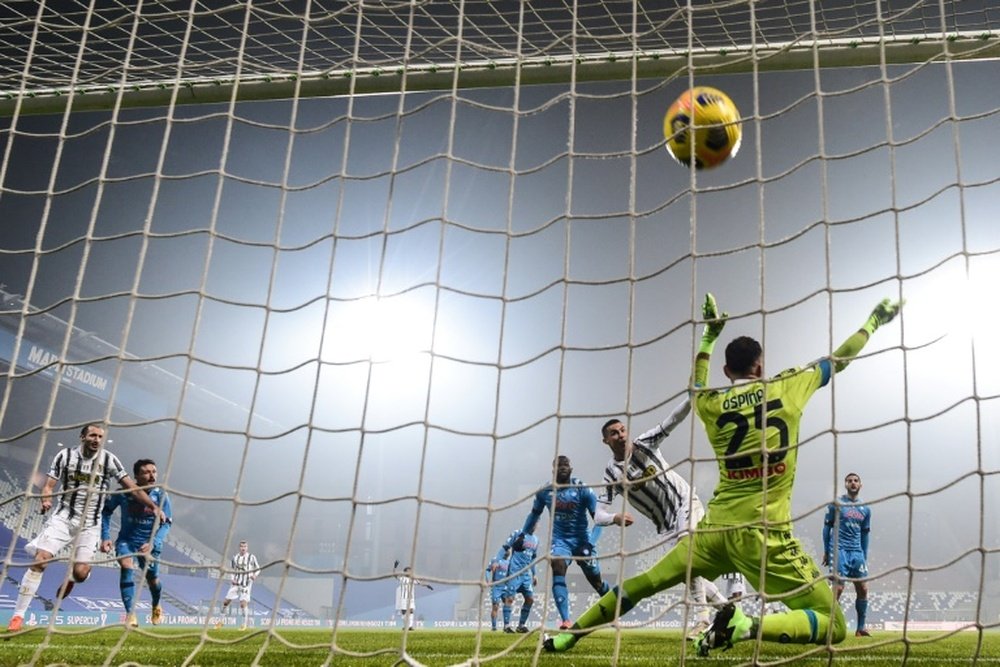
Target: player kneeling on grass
{"points": [[136, 537], [749, 517]]}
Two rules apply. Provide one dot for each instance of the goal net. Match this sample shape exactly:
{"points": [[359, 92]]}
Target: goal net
{"points": [[354, 273]]}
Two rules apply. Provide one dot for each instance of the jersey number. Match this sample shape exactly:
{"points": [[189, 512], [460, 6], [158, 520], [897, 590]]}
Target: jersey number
{"points": [[742, 424]]}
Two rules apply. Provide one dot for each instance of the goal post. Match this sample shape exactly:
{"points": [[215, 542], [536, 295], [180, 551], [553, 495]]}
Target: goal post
{"points": [[505, 71], [355, 273]]}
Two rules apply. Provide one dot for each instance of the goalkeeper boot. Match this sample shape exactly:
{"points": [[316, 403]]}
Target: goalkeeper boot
{"points": [[157, 615], [730, 624]]}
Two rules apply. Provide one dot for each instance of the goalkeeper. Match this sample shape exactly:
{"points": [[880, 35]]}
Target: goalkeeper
{"points": [[749, 518]]}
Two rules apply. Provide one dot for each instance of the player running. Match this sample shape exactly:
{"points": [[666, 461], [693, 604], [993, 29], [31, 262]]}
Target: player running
{"points": [[84, 474], [523, 548], [749, 517], [853, 520], [569, 503], [136, 538], [496, 577]]}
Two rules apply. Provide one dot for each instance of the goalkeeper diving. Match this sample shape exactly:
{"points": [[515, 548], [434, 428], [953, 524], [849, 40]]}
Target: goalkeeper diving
{"points": [[749, 518]]}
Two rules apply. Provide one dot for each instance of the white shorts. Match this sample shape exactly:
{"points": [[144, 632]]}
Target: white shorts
{"points": [[241, 592], [58, 532]]}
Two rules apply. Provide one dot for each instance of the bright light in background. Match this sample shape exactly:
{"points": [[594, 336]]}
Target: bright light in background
{"points": [[393, 329], [956, 301]]}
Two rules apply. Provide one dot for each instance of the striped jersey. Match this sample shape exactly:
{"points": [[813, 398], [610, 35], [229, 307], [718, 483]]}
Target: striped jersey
{"points": [[84, 482], [646, 480], [245, 568]]}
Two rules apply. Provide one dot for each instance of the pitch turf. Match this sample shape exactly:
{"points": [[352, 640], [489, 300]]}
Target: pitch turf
{"points": [[364, 648]]}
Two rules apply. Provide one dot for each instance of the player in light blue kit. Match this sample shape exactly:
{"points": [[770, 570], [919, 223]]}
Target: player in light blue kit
{"points": [[136, 538], [496, 576], [523, 548], [853, 520], [571, 506]]}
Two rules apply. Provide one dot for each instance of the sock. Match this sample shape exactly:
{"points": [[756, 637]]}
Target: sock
{"points": [[861, 606], [26, 591], [155, 588], [561, 595], [127, 586], [493, 619], [506, 615], [605, 587], [246, 615], [525, 612]]}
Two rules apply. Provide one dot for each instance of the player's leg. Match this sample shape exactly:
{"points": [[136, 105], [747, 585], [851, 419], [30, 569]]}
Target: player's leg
{"points": [[560, 552], [527, 592], [669, 571], [55, 535], [861, 602], [508, 606], [813, 615], [126, 579], [231, 595], [494, 607], [585, 555], [152, 568], [245, 607]]}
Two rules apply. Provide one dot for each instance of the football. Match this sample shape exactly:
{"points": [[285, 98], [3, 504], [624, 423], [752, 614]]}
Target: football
{"points": [[702, 125]]}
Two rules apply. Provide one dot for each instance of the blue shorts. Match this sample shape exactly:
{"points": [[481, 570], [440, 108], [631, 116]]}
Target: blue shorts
{"points": [[584, 552], [498, 592], [523, 584], [125, 548], [851, 564]]}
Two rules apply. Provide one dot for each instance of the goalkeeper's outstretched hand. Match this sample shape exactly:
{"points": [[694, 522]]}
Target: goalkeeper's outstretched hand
{"points": [[884, 312], [714, 321]]}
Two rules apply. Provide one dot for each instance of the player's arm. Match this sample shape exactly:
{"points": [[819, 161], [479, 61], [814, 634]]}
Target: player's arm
{"points": [[110, 504], [866, 527], [161, 532], [714, 323], [531, 521], [883, 313], [827, 535], [603, 516], [676, 416], [47, 489], [141, 496]]}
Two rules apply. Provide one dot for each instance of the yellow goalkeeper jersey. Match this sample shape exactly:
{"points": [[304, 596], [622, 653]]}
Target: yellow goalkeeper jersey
{"points": [[740, 422]]}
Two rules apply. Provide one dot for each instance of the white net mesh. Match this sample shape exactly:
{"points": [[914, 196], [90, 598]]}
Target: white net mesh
{"points": [[355, 329]]}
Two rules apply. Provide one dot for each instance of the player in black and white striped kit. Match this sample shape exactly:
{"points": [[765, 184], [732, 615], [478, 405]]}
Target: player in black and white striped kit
{"points": [[245, 569], [84, 474], [638, 471]]}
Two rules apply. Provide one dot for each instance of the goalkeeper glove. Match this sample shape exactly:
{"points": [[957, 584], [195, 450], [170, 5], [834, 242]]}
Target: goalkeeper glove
{"points": [[883, 313], [714, 322]]}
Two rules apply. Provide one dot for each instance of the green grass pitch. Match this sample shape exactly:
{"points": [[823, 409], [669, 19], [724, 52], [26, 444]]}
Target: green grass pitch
{"points": [[364, 648]]}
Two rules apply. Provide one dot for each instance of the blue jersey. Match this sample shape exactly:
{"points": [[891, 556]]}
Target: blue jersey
{"points": [[524, 560], [852, 528], [570, 509], [137, 519], [498, 567]]}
